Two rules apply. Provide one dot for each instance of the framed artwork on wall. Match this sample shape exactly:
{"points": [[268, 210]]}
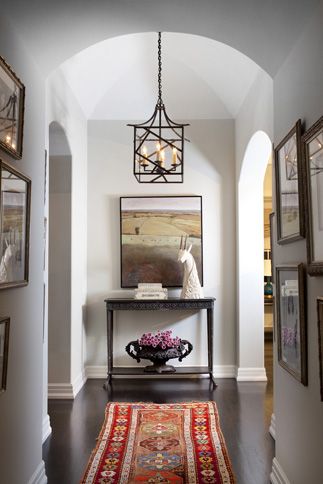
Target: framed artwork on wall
{"points": [[320, 332], [291, 322], [15, 193], [289, 187], [313, 156], [4, 347], [12, 105], [150, 230]]}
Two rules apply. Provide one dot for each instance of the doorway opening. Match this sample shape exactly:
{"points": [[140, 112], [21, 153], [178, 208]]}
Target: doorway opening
{"points": [[59, 258]]}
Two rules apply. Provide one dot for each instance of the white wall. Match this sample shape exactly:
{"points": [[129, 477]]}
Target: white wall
{"points": [[21, 403], [254, 128], [210, 172], [298, 409], [63, 108]]}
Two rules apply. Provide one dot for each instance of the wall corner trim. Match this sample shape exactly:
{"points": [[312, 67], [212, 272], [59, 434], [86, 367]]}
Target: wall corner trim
{"points": [[277, 475], [272, 428], [79, 382], [47, 429], [251, 374], [39, 476]]}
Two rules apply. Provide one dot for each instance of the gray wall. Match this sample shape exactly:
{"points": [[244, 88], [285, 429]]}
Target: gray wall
{"points": [[59, 270], [21, 403], [298, 93]]}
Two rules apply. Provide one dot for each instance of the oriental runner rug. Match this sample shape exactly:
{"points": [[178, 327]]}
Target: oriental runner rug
{"points": [[164, 444]]}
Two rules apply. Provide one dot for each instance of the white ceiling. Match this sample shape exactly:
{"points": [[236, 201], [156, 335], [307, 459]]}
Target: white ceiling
{"points": [[201, 78], [55, 30]]}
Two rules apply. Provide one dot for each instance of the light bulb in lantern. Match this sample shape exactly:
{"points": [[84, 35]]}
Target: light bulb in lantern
{"points": [[174, 157], [158, 146], [144, 152], [8, 139], [162, 159]]}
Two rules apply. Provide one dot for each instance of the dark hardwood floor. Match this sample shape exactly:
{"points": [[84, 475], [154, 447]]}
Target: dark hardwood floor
{"points": [[245, 410]]}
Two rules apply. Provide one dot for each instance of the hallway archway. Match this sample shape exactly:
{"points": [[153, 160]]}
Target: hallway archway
{"points": [[251, 259]]}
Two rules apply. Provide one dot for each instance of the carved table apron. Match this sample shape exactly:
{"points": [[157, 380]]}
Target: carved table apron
{"points": [[159, 305]]}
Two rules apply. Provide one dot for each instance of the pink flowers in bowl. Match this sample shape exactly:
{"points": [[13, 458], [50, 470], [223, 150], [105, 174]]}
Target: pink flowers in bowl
{"points": [[162, 339]]}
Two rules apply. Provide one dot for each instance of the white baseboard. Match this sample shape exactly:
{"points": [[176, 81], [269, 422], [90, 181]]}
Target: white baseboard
{"points": [[272, 428], [251, 374], [224, 371], [277, 475], [39, 476], [66, 390], [99, 371], [219, 371], [47, 429], [60, 391], [79, 382]]}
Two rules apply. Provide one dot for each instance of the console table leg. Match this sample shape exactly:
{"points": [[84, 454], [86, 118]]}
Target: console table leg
{"points": [[109, 347], [210, 343]]}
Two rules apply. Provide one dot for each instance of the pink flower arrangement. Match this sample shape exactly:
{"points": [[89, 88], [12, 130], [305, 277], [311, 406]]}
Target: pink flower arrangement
{"points": [[162, 339]]}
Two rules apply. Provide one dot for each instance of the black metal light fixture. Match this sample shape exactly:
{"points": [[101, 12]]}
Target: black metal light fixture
{"points": [[159, 143]]}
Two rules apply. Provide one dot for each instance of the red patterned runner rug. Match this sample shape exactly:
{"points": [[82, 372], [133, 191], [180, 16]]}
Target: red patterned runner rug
{"points": [[153, 443]]}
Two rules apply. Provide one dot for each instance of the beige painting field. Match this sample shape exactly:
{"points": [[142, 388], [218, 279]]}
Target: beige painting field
{"points": [[151, 230]]}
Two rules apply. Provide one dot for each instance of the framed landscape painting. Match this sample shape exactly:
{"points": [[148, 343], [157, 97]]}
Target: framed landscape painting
{"points": [[291, 320], [313, 154], [289, 187], [12, 102], [14, 227], [151, 229]]}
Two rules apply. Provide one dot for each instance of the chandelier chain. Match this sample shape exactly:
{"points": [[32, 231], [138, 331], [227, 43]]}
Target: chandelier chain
{"points": [[160, 102]]}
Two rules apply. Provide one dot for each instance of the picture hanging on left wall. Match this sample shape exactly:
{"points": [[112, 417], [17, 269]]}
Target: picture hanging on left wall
{"points": [[12, 105], [14, 227], [4, 346]]}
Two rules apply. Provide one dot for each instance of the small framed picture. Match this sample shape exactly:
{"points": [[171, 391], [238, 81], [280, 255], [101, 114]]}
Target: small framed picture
{"points": [[289, 187], [291, 323], [12, 105], [15, 193], [320, 331], [313, 155], [4, 347]]}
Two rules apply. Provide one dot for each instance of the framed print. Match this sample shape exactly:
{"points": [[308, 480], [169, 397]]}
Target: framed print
{"points": [[12, 105], [289, 187], [15, 190], [320, 331], [291, 323], [4, 346], [313, 155], [151, 229]]}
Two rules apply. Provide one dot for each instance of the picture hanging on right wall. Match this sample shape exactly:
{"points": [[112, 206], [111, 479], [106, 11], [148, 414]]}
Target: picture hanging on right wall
{"points": [[291, 320], [313, 155], [289, 187], [320, 331]]}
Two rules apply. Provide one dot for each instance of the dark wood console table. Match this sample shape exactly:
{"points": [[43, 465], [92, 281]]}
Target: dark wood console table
{"points": [[159, 305]]}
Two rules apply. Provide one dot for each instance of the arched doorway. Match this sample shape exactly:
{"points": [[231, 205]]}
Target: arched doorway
{"points": [[59, 260], [251, 259]]}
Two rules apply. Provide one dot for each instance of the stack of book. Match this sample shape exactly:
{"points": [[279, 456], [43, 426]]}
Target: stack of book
{"points": [[151, 291]]}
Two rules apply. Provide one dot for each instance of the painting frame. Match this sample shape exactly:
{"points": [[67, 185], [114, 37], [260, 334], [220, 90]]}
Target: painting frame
{"points": [[296, 336], [19, 231], [314, 195], [289, 183], [161, 259], [12, 139], [319, 304], [4, 351]]}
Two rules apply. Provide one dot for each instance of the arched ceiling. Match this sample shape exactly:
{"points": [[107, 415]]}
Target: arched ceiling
{"points": [[55, 30], [201, 78]]}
